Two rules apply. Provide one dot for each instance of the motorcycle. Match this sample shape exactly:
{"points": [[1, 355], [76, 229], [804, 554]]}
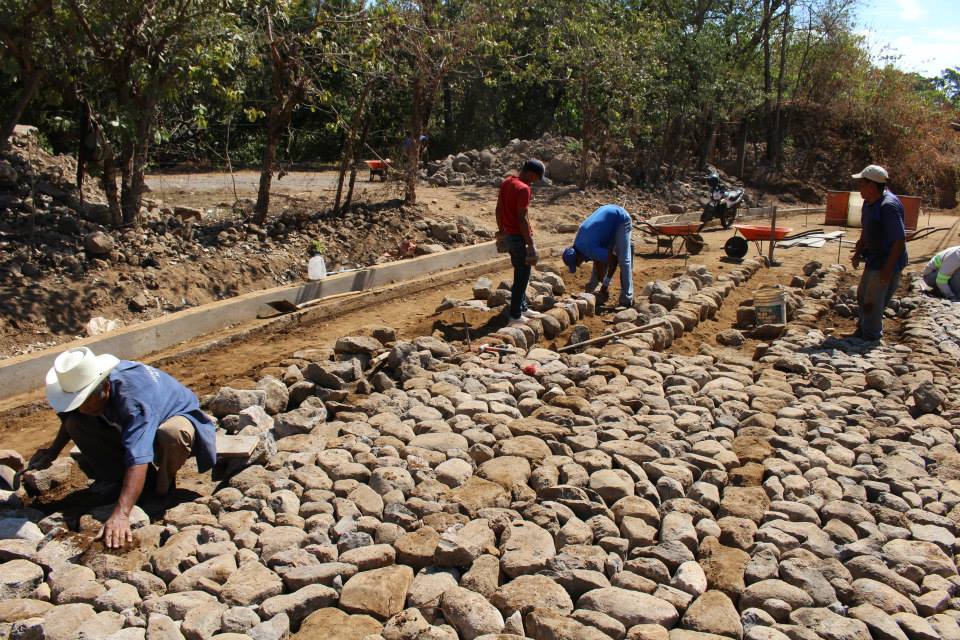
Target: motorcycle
{"points": [[722, 204]]}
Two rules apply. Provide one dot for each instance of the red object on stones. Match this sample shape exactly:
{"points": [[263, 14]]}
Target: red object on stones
{"points": [[530, 369]]}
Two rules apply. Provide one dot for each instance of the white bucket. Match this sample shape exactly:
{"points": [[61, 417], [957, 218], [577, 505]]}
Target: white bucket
{"points": [[316, 268], [854, 207], [770, 306]]}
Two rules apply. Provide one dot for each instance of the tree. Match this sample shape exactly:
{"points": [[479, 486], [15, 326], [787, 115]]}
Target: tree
{"points": [[949, 83], [24, 34], [135, 56], [288, 32], [598, 55], [425, 41]]}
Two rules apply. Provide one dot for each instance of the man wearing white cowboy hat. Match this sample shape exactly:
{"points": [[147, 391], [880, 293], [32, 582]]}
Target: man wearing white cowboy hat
{"points": [[129, 420]]}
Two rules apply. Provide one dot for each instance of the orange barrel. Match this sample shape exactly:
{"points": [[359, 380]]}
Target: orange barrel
{"points": [[911, 211], [837, 208]]}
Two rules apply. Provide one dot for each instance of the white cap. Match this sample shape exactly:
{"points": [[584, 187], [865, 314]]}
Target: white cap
{"points": [[874, 173]]}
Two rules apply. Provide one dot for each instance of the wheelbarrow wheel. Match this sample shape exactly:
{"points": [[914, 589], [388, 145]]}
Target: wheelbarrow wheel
{"points": [[694, 244], [736, 247]]}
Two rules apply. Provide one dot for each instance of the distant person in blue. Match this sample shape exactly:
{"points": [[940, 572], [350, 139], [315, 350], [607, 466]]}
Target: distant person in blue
{"points": [[422, 141], [605, 239], [882, 247], [131, 422]]}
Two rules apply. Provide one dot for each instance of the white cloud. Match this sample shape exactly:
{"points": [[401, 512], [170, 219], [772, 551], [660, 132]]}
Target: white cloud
{"points": [[911, 10], [927, 55]]}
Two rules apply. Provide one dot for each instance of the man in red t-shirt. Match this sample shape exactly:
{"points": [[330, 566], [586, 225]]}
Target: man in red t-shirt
{"points": [[516, 233]]}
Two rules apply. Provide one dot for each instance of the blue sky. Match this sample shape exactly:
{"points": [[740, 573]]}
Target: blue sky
{"points": [[924, 33]]}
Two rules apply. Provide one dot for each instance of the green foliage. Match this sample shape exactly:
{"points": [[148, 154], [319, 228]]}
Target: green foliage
{"points": [[651, 82]]}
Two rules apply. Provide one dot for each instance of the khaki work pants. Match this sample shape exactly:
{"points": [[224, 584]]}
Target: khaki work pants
{"points": [[102, 455]]}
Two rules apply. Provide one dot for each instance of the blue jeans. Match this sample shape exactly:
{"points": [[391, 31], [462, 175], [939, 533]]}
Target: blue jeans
{"points": [[622, 246], [521, 275], [873, 297]]}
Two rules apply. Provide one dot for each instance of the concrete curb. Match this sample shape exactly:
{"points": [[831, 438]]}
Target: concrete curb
{"points": [[25, 373]]}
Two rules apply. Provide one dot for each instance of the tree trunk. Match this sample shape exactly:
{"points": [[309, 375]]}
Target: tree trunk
{"points": [[109, 182], [586, 134], [585, 154], [778, 136], [356, 160], [709, 138], [947, 188], [767, 76], [132, 195], [26, 94], [673, 145], [345, 156], [351, 147], [266, 171], [413, 149], [135, 164], [742, 148], [449, 121]]}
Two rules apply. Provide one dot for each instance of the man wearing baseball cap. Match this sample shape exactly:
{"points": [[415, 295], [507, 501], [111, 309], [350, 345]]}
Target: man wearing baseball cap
{"points": [[881, 247], [604, 238], [131, 422], [515, 233]]}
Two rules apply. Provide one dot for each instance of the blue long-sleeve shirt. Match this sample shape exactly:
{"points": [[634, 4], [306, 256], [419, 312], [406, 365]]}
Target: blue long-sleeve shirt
{"points": [[141, 399], [597, 234]]}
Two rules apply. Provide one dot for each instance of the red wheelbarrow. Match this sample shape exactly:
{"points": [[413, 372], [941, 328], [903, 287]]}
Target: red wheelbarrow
{"points": [[756, 234], [378, 168], [668, 232]]}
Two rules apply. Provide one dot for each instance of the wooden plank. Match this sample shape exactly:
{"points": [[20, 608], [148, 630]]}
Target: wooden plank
{"points": [[235, 446]]}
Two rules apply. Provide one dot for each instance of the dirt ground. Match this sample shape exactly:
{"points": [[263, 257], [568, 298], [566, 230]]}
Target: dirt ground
{"points": [[26, 423], [46, 308]]}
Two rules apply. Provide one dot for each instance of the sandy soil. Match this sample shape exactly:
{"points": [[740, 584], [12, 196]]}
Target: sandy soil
{"points": [[28, 423]]}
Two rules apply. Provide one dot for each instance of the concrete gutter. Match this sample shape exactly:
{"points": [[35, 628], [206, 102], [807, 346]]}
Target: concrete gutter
{"points": [[25, 373]]}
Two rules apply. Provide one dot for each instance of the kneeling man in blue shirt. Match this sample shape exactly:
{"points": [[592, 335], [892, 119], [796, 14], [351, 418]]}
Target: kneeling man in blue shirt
{"points": [[605, 239], [129, 421]]}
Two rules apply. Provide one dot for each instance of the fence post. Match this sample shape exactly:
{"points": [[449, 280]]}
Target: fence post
{"points": [[773, 228]]}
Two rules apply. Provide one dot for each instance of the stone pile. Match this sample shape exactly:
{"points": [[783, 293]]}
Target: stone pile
{"points": [[561, 155], [489, 166], [621, 492]]}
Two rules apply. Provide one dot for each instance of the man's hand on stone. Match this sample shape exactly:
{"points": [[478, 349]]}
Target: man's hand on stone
{"points": [[42, 459], [116, 531]]}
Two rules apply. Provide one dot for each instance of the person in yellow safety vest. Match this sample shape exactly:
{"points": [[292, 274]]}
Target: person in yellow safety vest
{"points": [[943, 273]]}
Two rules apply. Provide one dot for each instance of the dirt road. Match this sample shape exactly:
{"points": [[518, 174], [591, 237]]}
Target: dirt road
{"points": [[28, 423]]}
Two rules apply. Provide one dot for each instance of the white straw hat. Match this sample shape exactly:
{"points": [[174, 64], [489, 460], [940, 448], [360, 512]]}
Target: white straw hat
{"points": [[75, 374]]}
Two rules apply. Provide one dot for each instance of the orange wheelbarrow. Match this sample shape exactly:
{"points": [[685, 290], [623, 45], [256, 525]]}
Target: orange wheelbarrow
{"points": [[378, 168], [757, 233], [668, 233]]}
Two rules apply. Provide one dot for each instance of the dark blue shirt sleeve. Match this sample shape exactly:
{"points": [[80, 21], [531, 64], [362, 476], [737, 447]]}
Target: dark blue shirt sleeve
{"points": [[892, 221]]}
